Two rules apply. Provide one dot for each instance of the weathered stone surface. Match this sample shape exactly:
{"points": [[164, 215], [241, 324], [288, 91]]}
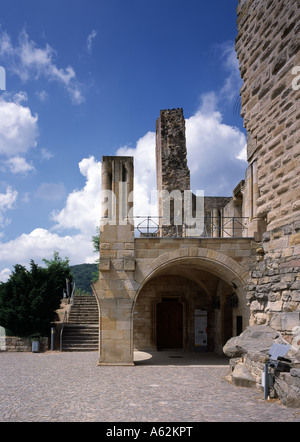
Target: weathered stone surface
{"points": [[249, 353], [255, 341], [242, 377], [287, 387], [267, 47]]}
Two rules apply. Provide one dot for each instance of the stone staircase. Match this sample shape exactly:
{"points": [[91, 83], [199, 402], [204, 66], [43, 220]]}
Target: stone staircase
{"points": [[81, 332]]}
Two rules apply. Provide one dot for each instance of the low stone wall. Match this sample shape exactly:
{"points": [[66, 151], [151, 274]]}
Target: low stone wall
{"points": [[14, 343], [250, 351]]}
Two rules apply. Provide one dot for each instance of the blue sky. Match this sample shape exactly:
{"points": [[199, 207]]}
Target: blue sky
{"points": [[89, 78]]}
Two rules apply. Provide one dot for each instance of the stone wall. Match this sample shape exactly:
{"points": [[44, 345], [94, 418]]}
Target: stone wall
{"points": [[268, 48], [14, 343], [249, 353]]}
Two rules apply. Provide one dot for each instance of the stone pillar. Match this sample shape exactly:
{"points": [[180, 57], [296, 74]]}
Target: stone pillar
{"points": [[216, 223], [173, 174], [116, 287]]}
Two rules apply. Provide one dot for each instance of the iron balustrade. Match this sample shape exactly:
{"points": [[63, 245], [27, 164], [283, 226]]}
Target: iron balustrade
{"points": [[213, 227], [65, 320], [66, 316]]}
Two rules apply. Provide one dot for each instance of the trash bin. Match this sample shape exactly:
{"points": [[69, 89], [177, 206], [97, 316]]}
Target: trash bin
{"points": [[35, 346]]}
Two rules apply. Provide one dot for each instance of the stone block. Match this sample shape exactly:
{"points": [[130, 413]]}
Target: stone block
{"points": [[242, 376], [285, 320], [294, 239], [274, 306], [117, 264], [104, 264], [129, 264]]}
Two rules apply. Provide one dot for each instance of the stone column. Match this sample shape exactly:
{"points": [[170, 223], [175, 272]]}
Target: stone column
{"points": [[116, 287]]}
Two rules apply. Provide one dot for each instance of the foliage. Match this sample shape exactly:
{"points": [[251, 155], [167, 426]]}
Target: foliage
{"points": [[81, 292], [96, 240], [29, 299], [83, 275]]}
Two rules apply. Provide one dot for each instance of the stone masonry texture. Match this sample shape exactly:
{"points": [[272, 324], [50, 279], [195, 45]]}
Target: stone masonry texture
{"points": [[268, 48], [171, 160]]}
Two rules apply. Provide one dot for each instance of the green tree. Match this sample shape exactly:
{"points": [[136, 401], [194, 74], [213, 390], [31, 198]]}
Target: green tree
{"points": [[29, 299]]}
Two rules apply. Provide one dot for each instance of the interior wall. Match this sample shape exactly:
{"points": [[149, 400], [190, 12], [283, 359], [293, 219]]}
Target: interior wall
{"points": [[213, 298]]}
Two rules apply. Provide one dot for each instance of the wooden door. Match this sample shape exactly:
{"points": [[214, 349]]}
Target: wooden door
{"points": [[169, 324]]}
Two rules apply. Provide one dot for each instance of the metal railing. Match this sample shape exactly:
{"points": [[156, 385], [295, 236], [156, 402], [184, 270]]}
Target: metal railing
{"points": [[213, 227], [225, 227], [72, 294], [65, 320]]}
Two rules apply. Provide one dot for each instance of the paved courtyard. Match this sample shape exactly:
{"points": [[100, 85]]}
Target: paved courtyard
{"points": [[71, 387]]}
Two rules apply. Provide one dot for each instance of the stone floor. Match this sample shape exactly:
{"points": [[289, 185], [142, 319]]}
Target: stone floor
{"points": [[161, 387]]}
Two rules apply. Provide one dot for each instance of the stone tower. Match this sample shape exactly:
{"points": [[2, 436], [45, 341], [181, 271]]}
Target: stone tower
{"points": [[268, 50], [173, 174]]}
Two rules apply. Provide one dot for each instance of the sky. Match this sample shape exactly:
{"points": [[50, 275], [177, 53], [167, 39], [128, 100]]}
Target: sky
{"points": [[85, 79]]}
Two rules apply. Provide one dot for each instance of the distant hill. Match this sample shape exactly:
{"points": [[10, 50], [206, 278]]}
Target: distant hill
{"points": [[83, 275]]}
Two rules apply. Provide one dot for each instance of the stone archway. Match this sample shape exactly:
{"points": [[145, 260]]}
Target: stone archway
{"points": [[119, 291], [182, 274], [215, 262]]}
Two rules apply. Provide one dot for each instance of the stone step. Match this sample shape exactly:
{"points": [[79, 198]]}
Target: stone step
{"points": [[81, 333], [83, 313], [83, 321], [80, 338], [82, 316], [84, 300], [80, 348]]}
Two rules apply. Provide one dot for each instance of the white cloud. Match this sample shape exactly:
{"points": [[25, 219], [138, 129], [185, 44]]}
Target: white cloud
{"points": [[243, 154], [5, 45], [41, 243], [144, 173], [81, 212], [42, 95], [19, 97], [7, 201], [4, 275], [46, 154], [214, 152], [230, 64], [27, 60], [18, 129], [82, 209], [90, 39], [19, 165]]}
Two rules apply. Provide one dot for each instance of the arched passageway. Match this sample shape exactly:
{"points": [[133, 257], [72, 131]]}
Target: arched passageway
{"points": [[189, 303]]}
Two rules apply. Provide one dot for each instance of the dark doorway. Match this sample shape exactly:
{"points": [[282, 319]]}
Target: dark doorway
{"points": [[239, 325], [169, 324]]}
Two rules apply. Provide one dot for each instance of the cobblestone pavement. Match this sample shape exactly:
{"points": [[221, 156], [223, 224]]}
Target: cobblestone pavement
{"points": [[71, 387]]}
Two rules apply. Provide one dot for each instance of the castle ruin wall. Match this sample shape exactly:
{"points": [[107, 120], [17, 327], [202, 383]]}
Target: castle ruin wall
{"points": [[268, 49]]}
